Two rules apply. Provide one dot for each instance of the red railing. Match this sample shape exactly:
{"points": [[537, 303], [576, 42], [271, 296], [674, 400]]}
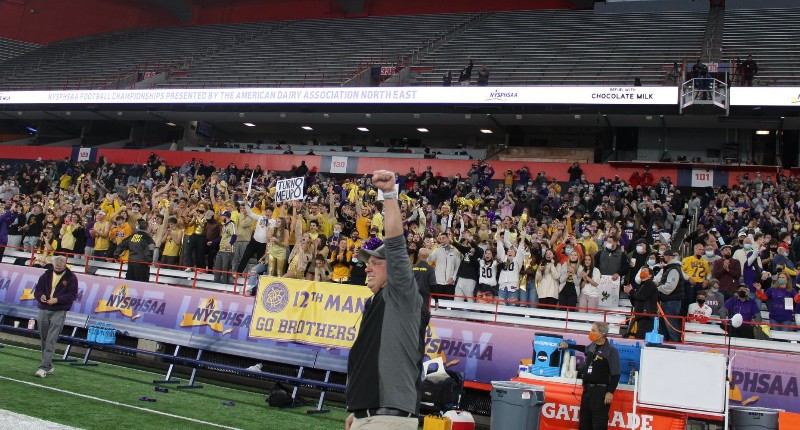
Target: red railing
{"points": [[240, 280]]}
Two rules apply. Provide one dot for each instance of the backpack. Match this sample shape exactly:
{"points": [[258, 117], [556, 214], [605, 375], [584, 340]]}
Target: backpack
{"points": [[446, 391], [279, 396]]}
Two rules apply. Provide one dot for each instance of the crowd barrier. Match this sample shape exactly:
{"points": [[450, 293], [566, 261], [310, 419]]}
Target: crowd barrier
{"points": [[457, 307]]}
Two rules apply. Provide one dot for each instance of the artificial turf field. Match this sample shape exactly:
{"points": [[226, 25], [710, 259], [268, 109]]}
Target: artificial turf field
{"points": [[107, 397]]}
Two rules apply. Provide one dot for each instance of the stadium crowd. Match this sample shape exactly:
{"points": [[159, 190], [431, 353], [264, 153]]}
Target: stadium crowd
{"points": [[520, 237]]}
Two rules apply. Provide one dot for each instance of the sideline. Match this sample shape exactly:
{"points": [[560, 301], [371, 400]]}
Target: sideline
{"points": [[111, 402], [26, 422]]}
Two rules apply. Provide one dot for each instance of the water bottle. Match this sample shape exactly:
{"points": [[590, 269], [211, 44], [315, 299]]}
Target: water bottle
{"points": [[632, 375], [92, 336], [101, 336], [113, 339]]}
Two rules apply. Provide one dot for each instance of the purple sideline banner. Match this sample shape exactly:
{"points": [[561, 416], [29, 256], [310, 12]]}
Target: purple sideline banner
{"points": [[483, 352], [486, 352], [204, 312]]}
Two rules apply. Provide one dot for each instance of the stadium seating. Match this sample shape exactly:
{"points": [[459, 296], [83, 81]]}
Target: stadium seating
{"points": [[770, 36], [97, 63], [317, 52], [569, 47], [13, 48]]}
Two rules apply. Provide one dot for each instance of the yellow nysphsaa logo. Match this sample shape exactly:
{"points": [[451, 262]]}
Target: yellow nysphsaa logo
{"points": [[208, 313], [120, 300]]}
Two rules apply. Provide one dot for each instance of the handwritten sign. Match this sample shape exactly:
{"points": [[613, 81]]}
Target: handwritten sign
{"points": [[290, 189]]}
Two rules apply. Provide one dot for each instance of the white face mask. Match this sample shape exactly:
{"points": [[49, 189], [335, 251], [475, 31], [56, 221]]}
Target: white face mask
{"points": [[651, 263], [709, 253], [609, 246], [640, 249]]}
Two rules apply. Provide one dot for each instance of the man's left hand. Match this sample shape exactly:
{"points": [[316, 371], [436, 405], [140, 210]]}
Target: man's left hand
{"points": [[608, 399], [52, 301]]}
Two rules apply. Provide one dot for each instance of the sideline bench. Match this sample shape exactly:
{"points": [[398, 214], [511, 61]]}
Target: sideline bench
{"points": [[303, 358]]}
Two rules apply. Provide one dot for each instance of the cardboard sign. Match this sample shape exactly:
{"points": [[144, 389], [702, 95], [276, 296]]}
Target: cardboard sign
{"points": [[290, 189]]}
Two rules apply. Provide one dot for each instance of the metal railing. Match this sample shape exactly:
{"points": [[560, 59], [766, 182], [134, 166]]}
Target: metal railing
{"points": [[705, 91]]}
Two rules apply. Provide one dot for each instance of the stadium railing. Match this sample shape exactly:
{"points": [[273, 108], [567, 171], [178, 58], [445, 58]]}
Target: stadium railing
{"points": [[500, 312]]}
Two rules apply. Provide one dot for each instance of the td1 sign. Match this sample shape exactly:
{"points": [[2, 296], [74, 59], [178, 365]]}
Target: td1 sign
{"points": [[702, 178]]}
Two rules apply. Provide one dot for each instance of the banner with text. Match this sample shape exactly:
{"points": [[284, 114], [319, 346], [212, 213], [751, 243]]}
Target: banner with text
{"points": [[317, 313], [209, 313], [561, 410], [290, 189], [702, 178], [483, 352], [594, 95]]}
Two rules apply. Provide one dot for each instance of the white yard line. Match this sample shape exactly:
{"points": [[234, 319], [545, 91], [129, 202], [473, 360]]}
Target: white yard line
{"points": [[13, 420], [138, 408]]}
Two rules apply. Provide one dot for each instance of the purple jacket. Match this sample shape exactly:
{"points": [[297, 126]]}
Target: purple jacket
{"points": [[5, 220], [66, 290], [748, 308]]}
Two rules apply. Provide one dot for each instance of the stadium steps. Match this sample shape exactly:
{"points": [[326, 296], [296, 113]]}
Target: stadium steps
{"points": [[712, 39]]}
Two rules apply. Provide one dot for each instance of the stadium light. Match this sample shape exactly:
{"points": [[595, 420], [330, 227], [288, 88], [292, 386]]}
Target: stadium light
{"points": [[486, 131], [762, 132], [171, 124], [363, 129], [307, 128], [249, 124], [422, 130]]}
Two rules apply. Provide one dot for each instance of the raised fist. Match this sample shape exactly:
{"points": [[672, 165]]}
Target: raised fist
{"points": [[383, 180]]}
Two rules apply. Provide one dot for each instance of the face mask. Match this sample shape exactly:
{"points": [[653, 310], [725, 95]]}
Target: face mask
{"points": [[748, 246], [630, 224], [355, 260], [714, 289], [593, 336], [640, 249], [58, 272], [651, 263], [709, 253], [609, 246], [701, 302], [743, 294], [568, 251], [781, 282], [660, 252]]}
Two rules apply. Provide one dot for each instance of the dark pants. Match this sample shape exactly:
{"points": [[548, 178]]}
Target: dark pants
{"points": [[197, 246], [594, 411], [744, 331], [253, 248], [438, 289], [166, 259], [548, 301], [138, 272], [211, 254]]}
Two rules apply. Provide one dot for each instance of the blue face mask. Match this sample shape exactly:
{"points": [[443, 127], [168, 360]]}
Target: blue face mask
{"points": [[781, 282]]}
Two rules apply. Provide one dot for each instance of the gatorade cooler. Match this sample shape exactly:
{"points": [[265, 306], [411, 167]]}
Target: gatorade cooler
{"points": [[546, 355], [434, 422], [462, 420]]}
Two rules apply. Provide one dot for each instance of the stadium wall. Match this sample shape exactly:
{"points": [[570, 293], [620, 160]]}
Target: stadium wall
{"points": [[47, 21], [684, 175]]}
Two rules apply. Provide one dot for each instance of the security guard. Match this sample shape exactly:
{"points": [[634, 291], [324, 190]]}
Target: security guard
{"points": [[141, 247], [600, 375]]}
